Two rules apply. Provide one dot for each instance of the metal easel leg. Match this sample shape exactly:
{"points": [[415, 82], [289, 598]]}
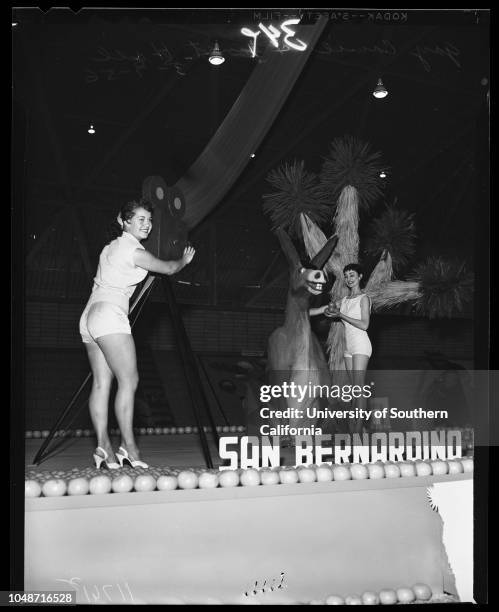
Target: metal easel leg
{"points": [[194, 384]]}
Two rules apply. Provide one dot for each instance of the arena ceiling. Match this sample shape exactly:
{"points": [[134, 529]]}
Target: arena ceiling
{"points": [[142, 78]]}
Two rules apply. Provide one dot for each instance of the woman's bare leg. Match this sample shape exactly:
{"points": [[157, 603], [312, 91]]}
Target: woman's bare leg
{"points": [[119, 350], [353, 426], [99, 396], [359, 367]]}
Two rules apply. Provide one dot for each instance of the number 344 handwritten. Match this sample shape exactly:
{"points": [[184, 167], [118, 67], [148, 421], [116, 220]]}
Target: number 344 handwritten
{"points": [[274, 33]]}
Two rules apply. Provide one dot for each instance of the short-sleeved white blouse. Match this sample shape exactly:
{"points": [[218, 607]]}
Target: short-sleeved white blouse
{"points": [[117, 275]]}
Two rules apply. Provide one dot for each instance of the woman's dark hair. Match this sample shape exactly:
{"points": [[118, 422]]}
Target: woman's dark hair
{"points": [[126, 213], [353, 266]]}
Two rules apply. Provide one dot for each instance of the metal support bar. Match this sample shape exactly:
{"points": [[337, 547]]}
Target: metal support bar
{"points": [[194, 383], [213, 263]]}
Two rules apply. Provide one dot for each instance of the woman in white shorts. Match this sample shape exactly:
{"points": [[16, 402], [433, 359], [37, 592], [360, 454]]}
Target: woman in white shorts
{"points": [[105, 329], [354, 310]]}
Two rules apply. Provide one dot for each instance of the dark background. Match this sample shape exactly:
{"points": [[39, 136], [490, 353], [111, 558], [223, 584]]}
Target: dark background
{"points": [[142, 78]]}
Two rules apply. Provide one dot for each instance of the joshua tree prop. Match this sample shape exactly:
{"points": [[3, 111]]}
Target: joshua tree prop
{"points": [[348, 183]]}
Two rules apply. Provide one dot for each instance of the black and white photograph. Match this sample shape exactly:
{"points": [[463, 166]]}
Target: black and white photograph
{"points": [[249, 306]]}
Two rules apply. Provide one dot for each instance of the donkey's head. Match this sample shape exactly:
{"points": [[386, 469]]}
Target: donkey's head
{"points": [[310, 279]]}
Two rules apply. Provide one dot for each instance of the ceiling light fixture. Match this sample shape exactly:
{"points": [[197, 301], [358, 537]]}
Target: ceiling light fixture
{"points": [[382, 174], [380, 90], [91, 129], [216, 58]]}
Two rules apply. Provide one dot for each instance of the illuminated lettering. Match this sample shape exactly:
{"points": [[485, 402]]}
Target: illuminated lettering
{"points": [[254, 35], [273, 34], [299, 45]]}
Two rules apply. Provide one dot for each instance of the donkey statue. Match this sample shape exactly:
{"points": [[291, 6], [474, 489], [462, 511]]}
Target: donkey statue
{"points": [[294, 353]]}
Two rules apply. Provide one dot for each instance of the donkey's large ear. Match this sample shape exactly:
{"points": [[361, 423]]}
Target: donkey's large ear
{"points": [[289, 248], [319, 260]]}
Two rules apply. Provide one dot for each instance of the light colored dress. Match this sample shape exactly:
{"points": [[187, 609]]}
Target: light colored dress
{"points": [[357, 341], [117, 276]]}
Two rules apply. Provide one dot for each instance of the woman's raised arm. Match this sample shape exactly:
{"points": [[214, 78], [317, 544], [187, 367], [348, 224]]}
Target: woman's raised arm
{"points": [[149, 262]]}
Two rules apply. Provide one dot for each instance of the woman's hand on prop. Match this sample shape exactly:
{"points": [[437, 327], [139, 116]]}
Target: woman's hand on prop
{"points": [[149, 262], [188, 255], [332, 310]]}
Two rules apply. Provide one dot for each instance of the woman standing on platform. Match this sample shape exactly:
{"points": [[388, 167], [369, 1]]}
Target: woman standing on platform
{"points": [[354, 310], [106, 333]]}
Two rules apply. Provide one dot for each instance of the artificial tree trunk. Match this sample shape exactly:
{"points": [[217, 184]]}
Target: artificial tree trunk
{"points": [[383, 291]]}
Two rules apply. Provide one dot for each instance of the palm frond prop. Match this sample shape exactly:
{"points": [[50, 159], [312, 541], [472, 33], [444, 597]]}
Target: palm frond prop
{"points": [[382, 273], [393, 293], [444, 286], [296, 192], [393, 231], [351, 162]]}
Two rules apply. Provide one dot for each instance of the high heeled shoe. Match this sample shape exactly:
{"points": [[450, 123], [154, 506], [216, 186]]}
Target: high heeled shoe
{"points": [[122, 455], [99, 460]]}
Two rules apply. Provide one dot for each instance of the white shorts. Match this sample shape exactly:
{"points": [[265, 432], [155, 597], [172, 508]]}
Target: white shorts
{"points": [[101, 319], [358, 344]]}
